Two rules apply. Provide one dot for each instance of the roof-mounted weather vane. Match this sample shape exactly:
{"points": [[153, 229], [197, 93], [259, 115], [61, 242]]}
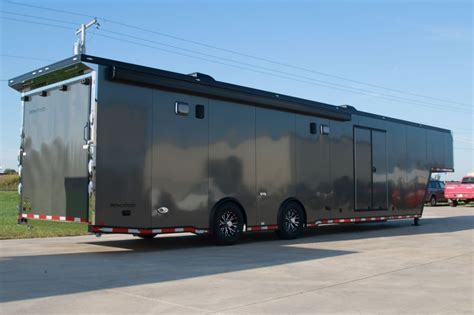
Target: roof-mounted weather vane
{"points": [[80, 44]]}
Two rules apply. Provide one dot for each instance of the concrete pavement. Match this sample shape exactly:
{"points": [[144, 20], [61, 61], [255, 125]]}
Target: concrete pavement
{"points": [[391, 267]]}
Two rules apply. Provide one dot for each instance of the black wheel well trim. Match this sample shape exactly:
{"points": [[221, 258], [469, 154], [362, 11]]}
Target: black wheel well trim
{"points": [[293, 199], [223, 200]]}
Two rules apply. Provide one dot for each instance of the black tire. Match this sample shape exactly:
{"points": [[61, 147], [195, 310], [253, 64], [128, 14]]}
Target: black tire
{"points": [[453, 203], [433, 201], [227, 223], [290, 221], [146, 236]]}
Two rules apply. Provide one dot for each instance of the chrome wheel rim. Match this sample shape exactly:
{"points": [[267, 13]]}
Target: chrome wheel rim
{"points": [[292, 220], [228, 223]]}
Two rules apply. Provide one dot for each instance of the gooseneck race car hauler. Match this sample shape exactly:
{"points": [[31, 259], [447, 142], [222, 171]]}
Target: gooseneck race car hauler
{"points": [[131, 149]]}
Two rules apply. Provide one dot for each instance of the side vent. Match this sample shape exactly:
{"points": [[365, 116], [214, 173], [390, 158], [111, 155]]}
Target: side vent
{"points": [[200, 111]]}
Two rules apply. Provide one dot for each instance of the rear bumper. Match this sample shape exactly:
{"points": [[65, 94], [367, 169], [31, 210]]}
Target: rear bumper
{"points": [[459, 196], [52, 217]]}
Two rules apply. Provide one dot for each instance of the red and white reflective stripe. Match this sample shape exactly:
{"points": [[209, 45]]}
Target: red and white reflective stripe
{"points": [[369, 219], [188, 229], [261, 228], [53, 217]]}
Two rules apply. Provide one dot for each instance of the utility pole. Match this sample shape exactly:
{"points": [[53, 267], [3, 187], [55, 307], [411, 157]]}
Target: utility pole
{"points": [[80, 44]]}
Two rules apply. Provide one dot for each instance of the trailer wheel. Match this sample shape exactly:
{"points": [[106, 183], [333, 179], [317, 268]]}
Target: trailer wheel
{"points": [[453, 203], [227, 224], [146, 236], [433, 201], [290, 221]]}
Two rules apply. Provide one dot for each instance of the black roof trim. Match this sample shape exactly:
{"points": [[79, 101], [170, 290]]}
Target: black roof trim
{"points": [[230, 92], [199, 83]]}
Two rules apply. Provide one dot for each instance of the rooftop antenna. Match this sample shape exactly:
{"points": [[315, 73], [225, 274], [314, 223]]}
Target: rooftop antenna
{"points": [[80, 44]]}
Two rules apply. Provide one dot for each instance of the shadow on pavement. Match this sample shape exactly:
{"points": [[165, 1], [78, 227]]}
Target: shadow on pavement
{"points": [[131, 262]]}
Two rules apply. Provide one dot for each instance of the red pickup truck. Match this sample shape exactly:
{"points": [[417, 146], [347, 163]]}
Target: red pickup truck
{"points": [[460, 191]]}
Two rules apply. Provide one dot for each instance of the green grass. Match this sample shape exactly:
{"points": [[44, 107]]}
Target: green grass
{"points": [[35, 228]]}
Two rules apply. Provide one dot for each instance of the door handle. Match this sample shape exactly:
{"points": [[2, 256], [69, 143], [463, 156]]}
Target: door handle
{"points": [[85, 132], [374, 169]]}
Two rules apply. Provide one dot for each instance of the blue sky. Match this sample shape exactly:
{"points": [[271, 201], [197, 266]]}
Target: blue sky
{"points": [[419, 47]]}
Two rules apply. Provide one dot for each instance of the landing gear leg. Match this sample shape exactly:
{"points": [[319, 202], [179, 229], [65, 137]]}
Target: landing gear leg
{"points": [[416, 221]]}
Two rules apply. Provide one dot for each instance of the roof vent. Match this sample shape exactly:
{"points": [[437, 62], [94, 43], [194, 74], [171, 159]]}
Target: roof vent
{"points": [[349, 107], [201, 77]]}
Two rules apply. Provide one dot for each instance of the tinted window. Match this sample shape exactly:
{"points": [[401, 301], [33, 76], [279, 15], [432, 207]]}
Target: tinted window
{"points": [[468, 180]]}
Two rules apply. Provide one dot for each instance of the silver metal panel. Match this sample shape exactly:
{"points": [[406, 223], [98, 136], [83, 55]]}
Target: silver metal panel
{"points": [[396, 164], [314, 185], [123, 170], [54, 162], [418, 169], [448, 151], [435, 147], [180, 172], [232, 155], [341, 168], [363, 168], [379, 170], [276, 161]]}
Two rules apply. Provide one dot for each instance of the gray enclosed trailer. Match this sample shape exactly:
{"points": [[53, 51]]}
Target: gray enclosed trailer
{"points": [[137, 150]]}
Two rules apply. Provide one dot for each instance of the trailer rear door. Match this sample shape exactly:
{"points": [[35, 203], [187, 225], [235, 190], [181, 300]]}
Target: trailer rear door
{"points": [[54, 162]]}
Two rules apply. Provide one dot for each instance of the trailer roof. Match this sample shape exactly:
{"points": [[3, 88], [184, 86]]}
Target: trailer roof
{"points": [[195, 83]]}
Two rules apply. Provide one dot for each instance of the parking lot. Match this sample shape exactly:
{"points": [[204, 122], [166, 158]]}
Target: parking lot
{"points": [[391, 267]]}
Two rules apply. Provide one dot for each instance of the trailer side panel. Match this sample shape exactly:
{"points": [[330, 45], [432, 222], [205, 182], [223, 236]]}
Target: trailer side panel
{"points": [[232, 172], [180, 155], [123, 171], [276, 162]]}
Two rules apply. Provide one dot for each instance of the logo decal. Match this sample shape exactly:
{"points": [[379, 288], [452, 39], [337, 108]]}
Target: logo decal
{"points": [[161, 210]]}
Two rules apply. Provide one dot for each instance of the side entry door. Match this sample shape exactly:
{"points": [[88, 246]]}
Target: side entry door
{"points": [[370, 169]]}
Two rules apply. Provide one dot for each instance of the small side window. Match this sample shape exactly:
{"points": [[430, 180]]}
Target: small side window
{"points": [[200, 111], [181, 108], [312, 128], [325, 129]]}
